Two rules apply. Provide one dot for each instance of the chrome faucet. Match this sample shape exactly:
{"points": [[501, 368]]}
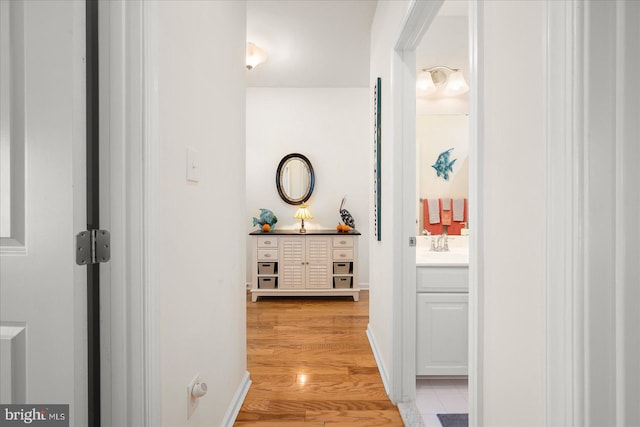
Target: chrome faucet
{"points": [[442, 242]]}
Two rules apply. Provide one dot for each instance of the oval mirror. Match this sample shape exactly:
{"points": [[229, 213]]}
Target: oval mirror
{"points": [[295, 179]]}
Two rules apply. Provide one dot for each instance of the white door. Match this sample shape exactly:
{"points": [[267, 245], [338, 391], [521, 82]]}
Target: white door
{"points": [[42, 290], [318, 261], [292, 263]]}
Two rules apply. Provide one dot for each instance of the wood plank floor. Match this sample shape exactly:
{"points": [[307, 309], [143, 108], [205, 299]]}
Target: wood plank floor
{"points": [[311, 365]]}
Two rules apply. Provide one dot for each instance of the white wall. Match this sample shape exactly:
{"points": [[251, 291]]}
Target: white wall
{"points": [[331, 128], [202, 240], [435, 134], [514, 199], [513, 215], [384, 33]]}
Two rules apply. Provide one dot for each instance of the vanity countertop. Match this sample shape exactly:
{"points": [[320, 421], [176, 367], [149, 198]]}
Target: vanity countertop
{"points": [[457, 256], [352, 232]]}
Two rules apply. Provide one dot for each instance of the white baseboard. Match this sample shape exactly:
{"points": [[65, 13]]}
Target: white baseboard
{"points": [[238, 399], [376, 355], [364, 285]]}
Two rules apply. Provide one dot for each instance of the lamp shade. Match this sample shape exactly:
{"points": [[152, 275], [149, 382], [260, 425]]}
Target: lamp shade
{"points": [[425, 83], [456, 84], [303, 213], [255, 55]]}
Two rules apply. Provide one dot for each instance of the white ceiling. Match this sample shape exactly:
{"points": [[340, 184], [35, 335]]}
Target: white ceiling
{"points": [[311, 43]]}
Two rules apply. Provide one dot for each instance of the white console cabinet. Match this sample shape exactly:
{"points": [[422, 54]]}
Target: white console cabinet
{"points": [[318, 262]]}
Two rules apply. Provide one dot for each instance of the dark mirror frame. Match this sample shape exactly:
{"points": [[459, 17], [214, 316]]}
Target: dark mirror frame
{"points": [[281, 191]]}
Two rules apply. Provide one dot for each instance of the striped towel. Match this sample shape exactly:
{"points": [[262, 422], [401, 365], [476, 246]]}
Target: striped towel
{"points": [[458, 209]]}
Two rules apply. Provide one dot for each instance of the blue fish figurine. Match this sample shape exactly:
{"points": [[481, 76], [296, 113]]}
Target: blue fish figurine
{"points": [[442, 165], [266, 217]]}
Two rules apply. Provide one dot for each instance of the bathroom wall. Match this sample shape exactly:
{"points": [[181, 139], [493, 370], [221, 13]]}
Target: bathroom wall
{"points": [[331, 128], [435, 134], [202, 228]]}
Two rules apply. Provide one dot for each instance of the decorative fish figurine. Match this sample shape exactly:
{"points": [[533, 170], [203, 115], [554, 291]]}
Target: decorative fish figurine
{"points": [[443, 166], [266, 217], [345, 215]]}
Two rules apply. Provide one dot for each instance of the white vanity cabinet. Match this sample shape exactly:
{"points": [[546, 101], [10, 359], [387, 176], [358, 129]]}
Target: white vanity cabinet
{"points": [[319, 262], [442, 315]]}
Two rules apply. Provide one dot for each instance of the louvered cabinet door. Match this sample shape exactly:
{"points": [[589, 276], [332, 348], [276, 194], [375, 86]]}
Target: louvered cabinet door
{"points": [[292, 263], [318, 262]]}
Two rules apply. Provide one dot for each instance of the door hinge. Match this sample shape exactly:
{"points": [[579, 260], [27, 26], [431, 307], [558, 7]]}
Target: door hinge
{"points": [[412, 241], [93, 247]]}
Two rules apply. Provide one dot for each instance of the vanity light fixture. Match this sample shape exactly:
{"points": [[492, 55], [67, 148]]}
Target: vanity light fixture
{"points": [[255, 56], [449, 79], [302, 214]]}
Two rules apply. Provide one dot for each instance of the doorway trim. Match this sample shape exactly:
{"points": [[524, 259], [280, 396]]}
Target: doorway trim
{"points": [[133, 164], [418, 18]]}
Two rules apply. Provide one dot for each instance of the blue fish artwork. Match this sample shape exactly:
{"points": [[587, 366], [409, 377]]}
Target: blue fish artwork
{"points": [[443, 166], [266, 217]]}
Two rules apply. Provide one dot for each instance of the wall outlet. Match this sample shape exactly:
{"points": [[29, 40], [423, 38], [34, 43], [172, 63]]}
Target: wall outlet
{"points": [[192, 401]]}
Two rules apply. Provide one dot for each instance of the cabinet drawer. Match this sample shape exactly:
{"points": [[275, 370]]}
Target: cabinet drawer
{"points": [[342, 242], [342, 254], [267, 254], [267, 242], [442, 279]]}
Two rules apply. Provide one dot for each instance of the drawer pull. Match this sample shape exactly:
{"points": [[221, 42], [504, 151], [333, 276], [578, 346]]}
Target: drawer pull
{"points": [[267, 255], [343, 255], [343, 242]]}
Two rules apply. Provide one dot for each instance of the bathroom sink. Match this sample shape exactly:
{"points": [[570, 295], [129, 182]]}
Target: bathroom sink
{"points": [[457, 256]]}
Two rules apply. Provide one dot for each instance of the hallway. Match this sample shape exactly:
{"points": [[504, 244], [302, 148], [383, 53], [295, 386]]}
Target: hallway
{"points": [[311, 365]]}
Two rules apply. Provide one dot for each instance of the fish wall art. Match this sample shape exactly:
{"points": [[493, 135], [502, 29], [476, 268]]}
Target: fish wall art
{"points": [[443, 166]]}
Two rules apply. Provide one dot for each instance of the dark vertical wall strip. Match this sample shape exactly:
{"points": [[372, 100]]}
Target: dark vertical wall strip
{"points": [[93, 219]]}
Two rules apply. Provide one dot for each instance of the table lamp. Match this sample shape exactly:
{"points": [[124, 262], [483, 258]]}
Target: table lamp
{"points": [[302, 214]]}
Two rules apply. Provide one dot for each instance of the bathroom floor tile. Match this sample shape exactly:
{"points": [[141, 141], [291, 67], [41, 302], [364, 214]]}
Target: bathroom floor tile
{"points": [[431, 420], [441, 396], [453, 403], [429, 403]]}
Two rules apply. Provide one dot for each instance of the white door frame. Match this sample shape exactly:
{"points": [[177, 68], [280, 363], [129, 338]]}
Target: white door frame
{"points": [[133, 179], [577, 133], [416, 22], [564, 255]]}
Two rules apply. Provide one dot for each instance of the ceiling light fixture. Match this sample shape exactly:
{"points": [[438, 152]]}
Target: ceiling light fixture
{"points": [[255, 56], [449, 79]]}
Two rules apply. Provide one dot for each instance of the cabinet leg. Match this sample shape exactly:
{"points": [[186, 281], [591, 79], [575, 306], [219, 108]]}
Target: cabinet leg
{"points": [[356, 297], [254, 297]]}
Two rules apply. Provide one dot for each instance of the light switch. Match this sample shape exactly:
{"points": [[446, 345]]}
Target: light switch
{"points": [[193, 165]]}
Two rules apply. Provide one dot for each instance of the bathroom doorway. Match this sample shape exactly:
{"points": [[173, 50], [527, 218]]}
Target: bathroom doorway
{"points": [[442, 196], [417, 24]]}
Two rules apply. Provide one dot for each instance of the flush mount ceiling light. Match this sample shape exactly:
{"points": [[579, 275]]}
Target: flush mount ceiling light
{"points": [[449, 81], [255, 56]]}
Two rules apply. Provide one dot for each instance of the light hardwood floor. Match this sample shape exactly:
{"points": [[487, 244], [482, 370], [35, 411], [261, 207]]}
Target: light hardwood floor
{"points": [[311, 365]]}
